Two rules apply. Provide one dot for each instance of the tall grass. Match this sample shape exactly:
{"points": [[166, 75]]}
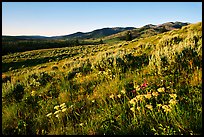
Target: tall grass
{"points": [[150, 86]]}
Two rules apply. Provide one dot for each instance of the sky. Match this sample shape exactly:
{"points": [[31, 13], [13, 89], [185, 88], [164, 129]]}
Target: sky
{"points": [[63, 18]]}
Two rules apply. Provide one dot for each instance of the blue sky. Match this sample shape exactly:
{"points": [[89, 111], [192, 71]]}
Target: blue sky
{"points": [[62, 18]]}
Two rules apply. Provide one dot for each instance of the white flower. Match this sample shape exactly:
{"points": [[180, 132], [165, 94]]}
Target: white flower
{"points": [[63, 107], [63, 110], [56, 112], [57, 107], [49, 114], [63, 104]]}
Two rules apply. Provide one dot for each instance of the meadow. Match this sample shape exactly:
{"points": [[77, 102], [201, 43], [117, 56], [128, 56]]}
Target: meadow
{"points": [[148, 86]]}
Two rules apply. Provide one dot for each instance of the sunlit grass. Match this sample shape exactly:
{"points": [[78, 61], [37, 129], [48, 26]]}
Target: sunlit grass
{"points": [[95, 95]]}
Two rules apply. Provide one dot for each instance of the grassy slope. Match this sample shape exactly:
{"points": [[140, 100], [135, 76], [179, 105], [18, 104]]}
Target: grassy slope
{"points": [[91, 83]]}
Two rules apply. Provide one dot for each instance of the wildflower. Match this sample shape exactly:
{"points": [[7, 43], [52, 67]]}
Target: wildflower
{"points": [[132, 101], [172, 102], [173, 96], [155, 94], [119, 95], [144, 85], [57, 116], [123, 91], [57, 107], [111, 96], [149, 107], [133, 91], [63, 107], [161, 89], [63, 104], [148, 96], [137, 88], [33, 93], [93, 101], [132, 109], [48, 115], [138, 108], [166, 108], [139, 97], [81, 124], [63, 110], [56, 112]]}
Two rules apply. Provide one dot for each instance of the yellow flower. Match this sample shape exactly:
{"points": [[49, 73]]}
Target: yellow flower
{"points": [[33, 93], [81, 124], [155, 94], [63, 110], [132, 109], [119, 95], [148, 96], [132, 101], [149, 107], [137, 88], [123, 91], [139, 97], [57, 107], [161, 89], [49, 114], [111, 96], [172, 102], [173, 96], [57, 116], [138, 108], [166, 108]]}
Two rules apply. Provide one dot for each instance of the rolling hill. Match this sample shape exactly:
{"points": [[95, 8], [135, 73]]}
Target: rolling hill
{"points": [[147, 86]]}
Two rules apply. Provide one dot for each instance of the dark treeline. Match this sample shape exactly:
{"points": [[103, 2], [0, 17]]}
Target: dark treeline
{"points": [[12, 46]]}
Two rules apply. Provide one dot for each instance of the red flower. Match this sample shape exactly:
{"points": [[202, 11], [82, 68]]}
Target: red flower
{"points": [[144, 85]]}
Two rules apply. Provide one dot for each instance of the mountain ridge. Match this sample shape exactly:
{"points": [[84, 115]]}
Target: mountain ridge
{"points": [[104, 32]]}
